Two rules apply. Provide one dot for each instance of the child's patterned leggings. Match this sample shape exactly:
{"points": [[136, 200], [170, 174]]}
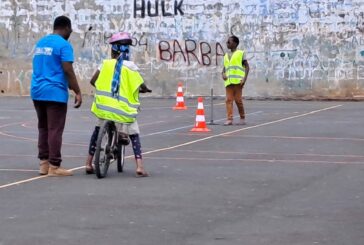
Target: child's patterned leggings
{"points": [[135, 141]]}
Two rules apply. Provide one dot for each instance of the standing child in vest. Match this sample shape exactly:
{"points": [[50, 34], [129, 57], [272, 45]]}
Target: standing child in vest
{"points": [[235, 74], [118, 83]]}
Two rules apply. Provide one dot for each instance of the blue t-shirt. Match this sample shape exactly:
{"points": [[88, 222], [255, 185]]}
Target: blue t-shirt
{"points": [[49, 82]]}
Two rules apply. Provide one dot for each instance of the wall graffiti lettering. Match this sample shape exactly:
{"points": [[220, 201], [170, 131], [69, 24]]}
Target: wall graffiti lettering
{"points": [[156, 8], [202, 53], [297, 46]]}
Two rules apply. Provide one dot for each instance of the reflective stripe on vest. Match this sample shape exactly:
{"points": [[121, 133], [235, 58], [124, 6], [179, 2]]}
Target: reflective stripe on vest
{"points": [[113, 110], [233, 68], [124, 108], [108, 94]]}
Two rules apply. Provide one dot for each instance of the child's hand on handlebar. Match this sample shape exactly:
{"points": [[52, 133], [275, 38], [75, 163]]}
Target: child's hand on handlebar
{"points": [[144, 89]]}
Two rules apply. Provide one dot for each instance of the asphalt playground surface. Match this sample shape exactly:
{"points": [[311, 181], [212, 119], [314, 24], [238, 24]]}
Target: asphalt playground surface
{"points": [[294, 175]]}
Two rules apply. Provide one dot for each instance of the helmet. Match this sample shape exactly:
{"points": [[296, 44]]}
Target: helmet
{"points": [[122, 38]]}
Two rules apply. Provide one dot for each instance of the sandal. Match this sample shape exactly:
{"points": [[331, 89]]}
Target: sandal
{"points": [[89, 170], [141, 174], [228, 123]]}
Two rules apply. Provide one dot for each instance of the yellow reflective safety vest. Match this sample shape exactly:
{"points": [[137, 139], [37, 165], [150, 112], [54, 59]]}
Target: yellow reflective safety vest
{"points": [[234, 69], [124, 108]]}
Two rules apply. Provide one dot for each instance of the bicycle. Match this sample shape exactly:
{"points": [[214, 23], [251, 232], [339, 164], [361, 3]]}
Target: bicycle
{"points": [[109, 148]]}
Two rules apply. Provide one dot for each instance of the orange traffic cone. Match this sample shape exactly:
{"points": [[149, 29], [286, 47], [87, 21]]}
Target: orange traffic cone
{"points": [[180, 102], [200, 125]]}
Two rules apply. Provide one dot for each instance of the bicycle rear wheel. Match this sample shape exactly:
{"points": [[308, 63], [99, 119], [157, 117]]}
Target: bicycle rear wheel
{"points": [[121, 157], [103, 153]]}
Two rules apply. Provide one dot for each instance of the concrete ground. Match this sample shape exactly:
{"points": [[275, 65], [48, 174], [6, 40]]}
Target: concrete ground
{"points": [[294, 175]]}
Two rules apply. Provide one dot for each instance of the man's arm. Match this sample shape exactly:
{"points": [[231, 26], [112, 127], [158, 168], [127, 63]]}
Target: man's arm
{"points": [[72, 82], [223, 73], [94, 78], [247, 68]]}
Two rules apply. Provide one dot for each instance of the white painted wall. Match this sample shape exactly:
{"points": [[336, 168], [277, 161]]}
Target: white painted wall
{"points": [[296, 48]]}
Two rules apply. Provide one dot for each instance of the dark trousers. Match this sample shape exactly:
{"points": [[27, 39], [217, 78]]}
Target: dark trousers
{"points": [[51, 122], [234, 92]]}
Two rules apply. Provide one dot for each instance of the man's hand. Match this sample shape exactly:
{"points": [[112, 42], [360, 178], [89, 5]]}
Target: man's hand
{"points": [[78, 100], [242, 82], [72, 82], [224, 77]]}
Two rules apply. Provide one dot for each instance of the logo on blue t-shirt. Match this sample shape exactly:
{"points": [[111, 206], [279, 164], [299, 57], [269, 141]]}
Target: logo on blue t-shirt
{"points": [[43, 51]]}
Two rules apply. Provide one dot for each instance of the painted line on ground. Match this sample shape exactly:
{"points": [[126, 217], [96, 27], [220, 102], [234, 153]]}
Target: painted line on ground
{"points": [[84, 145], [13, 124], [252, 160], [25, 125], [28, 155], [153, 108], [295, 137], [17, 170], [270, 154], [216, 152], [35, 140], [22, 110], [32, 179], [22, 181], [189, 106], [88, 110], [243, 129], [194, 141], [190, 126]]}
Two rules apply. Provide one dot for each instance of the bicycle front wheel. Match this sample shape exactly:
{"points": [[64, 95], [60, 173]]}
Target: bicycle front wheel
{"points": [[103, 153]]}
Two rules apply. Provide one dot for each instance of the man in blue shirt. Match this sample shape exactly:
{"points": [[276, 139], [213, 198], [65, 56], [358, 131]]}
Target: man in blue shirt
{"points": [[53, 74]]}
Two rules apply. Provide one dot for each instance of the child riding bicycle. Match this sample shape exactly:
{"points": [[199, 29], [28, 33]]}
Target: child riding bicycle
{"points": [[118, 83]]}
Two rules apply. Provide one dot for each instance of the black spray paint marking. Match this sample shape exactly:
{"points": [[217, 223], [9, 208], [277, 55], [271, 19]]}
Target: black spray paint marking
{"points": [[84, 37], [140, 8]]}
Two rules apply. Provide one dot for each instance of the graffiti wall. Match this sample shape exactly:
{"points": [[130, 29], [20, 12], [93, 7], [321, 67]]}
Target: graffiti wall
{"points": [[295, 48]]}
